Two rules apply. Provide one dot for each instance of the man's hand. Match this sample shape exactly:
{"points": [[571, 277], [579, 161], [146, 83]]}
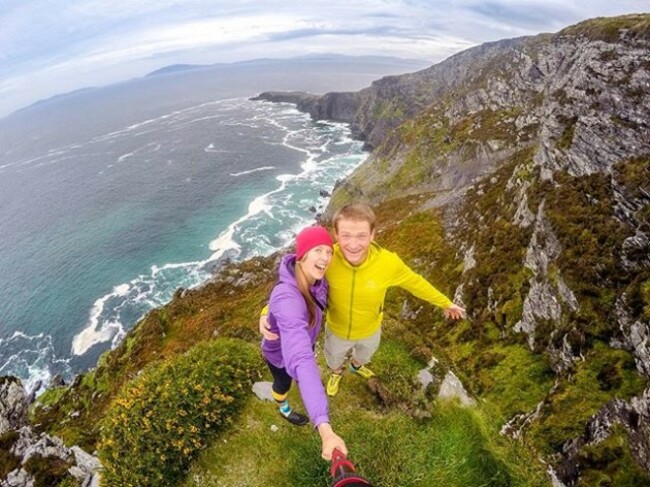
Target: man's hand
{"points": [[330, 441], [264, 329], [454, 312]]}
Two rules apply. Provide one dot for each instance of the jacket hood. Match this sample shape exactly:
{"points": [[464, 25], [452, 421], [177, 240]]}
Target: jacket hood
{"points": [[287, 271], [287, 276]]}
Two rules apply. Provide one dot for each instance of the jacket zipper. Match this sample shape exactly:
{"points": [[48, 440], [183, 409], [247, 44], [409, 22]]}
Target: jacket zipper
{"points": [[354, 275]]}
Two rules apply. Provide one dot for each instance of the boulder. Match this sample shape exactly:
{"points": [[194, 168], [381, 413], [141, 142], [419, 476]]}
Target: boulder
{"points": [[13, 404], [28, 445]]}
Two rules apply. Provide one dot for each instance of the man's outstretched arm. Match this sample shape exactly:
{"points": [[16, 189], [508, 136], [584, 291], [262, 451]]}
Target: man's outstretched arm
{"points": [[423, 289]]}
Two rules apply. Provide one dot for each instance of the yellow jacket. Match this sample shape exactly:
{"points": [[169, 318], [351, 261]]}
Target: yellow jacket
{"points": [[356, 299]]}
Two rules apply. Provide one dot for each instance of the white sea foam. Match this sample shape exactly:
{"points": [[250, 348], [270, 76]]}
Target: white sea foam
{"points": [[212, 148], [20, 334], [265, 168], [195, 120], [125, 156], [225, 242], [30, 362], [30, 357], [283, 178], [39, 158], [95, 333], [162, 120], [155, 270], [270, 222]]}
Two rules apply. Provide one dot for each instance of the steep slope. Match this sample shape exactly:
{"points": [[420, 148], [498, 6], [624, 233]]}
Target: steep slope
{"points": [[537, 150], [420, 440], [516, 176]]}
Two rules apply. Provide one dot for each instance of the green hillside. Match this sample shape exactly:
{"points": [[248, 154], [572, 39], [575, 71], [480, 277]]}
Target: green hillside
{"points": [[514, 176]]}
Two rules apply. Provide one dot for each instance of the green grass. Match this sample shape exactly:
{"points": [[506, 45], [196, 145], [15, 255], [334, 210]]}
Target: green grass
{"points": [[52, 395], [566, 139], [454, 446], [8, 461], [605, 373], [388, 110], [645, 292], [609, 29], [518, 381]]}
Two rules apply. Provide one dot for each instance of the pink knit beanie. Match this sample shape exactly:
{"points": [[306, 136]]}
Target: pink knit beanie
{"points": [[311, 237]]}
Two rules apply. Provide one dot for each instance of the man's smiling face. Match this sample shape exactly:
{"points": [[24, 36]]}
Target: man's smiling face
{"points": [[354, 237]]}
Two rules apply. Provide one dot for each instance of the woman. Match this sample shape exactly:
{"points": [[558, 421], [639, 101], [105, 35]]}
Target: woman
{"points": [[296, 311]]}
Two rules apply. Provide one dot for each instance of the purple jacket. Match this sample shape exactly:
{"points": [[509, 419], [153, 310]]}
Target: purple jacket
{"points": [[294, 350]]}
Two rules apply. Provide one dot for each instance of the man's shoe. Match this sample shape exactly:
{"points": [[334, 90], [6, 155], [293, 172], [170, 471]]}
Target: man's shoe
{"points": [[333, 384], [295, 418], [363, 371]]}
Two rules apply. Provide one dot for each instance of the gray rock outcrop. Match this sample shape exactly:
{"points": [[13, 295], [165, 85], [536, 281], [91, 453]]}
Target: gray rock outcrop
{"points": [[547, 296], [13, 405], [263, 391], [452, 387], [28, 445], [633, 416]]}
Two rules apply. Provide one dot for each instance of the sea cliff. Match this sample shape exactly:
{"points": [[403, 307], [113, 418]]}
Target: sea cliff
{"points": [[515, 177]]}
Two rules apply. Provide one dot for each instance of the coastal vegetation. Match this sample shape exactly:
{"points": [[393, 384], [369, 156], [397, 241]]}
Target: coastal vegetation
{"points": [[419, 432], [172, 410], [545, 241]]}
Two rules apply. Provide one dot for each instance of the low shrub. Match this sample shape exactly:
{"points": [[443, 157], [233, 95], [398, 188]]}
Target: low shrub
{"points": [[8, 461], [158, 421], [49, 470]]}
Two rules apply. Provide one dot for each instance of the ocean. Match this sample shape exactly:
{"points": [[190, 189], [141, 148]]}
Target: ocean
{"points": [[103, 218]]}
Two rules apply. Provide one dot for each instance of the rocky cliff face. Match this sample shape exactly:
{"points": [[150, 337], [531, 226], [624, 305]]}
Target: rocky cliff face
{"points": [[537, 152], [338, 107], [29, 459], [579, 100], [533, 155]]}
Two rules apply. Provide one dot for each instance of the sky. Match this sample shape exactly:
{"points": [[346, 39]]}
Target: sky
{"points": [[48, 47]]}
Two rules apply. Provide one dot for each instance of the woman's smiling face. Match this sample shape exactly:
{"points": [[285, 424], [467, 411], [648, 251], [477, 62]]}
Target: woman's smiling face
{"points": [[315, 262]]}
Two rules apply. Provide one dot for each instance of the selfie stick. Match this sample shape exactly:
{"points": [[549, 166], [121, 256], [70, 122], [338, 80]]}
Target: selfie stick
{"points": [[343, 472]]}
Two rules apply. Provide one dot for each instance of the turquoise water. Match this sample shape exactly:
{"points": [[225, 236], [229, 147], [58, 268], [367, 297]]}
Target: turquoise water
{"points": [[99, 231]]}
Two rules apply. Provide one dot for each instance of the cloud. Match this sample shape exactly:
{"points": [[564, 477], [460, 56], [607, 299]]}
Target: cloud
{"points": [[381, 31], [533, 15], [48, 45]]}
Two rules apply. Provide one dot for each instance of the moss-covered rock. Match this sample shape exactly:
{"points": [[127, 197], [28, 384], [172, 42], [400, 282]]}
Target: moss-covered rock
{"points": [[48, 471], [610, 463], [604, 374], [8, 461]]}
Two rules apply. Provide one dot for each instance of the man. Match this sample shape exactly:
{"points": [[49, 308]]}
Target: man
{"points": [[359, 276]]}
